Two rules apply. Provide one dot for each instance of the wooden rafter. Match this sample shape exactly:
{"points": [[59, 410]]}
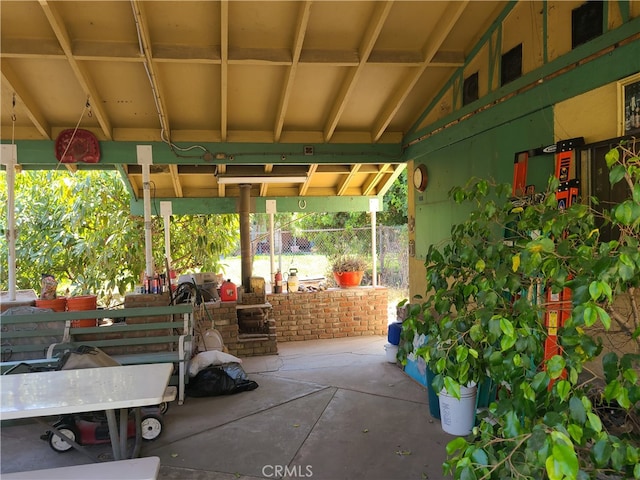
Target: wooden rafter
{"points": [[301, 28], [224, 68], [375, 27], [22, 94], [449, 19], [145, 43], [57, 25]]}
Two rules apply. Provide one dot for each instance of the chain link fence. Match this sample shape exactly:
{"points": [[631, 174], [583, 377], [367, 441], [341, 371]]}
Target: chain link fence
{"points": [[310, 253]]}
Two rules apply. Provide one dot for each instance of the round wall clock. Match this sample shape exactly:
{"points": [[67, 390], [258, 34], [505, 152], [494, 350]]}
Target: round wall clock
{"points": [[420, 178]]}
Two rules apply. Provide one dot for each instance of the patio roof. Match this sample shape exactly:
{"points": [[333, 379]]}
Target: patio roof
{"points": [[314, 96]]}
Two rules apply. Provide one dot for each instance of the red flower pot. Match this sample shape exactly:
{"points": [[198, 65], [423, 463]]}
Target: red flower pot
{"points": [[348, 279]]}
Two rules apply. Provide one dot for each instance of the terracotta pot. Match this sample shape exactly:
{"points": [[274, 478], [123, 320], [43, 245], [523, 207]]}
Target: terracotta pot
{"points": [[83, 302], [348, 279], [57, 304]]}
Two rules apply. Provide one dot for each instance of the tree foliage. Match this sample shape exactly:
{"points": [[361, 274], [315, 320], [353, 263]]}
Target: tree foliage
{"points": [[77, 227], [484, 317]]}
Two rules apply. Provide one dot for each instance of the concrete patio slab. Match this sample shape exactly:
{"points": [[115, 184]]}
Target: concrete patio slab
{"points": [[329, 410]]}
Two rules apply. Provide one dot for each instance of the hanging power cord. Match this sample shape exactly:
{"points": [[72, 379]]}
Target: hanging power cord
{"points": [[13, 119], [164, 132], [87, 106]]}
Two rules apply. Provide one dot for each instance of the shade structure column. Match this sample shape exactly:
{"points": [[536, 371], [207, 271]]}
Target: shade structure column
{"points": [[374, 207], [245, 235], [166, 210], [145, 158], [9, 158]]}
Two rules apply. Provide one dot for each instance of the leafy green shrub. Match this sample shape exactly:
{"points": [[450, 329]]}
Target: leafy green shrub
{"points": [[484, 312]]}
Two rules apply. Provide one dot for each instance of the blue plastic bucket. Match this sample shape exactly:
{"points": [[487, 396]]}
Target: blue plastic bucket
{"points": [[393, 333]]}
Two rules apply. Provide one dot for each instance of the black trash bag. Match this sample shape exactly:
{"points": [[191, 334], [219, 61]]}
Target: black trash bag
{"points": [[235, 371], [214, 381]]}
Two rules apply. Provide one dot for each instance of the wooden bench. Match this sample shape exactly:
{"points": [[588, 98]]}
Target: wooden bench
{"points": [[146, 468], [147, 335]]}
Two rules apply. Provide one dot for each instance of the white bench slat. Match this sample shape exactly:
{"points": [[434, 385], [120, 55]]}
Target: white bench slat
{"points": [[146, 468]]}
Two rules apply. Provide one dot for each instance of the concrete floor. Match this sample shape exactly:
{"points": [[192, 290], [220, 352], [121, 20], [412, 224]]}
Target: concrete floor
{"points": [[327, 410]]}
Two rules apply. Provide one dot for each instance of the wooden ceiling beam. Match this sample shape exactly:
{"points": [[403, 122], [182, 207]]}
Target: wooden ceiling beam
{"points": [[175, 179], [222, 192], [304, 188], [386, 185], [24, 97], [301, 28], [349, 85], [82, 76], [448, 21], [224, 69], [145, 44], [343, 185], [264, 188], [373, 180]]}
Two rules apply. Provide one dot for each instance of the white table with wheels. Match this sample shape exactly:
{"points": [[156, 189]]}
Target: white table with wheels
{"points": [[41, 394]]}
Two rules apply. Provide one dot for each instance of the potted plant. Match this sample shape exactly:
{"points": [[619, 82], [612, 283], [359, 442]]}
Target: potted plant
{"points": [[348, 269], [485, 312]]}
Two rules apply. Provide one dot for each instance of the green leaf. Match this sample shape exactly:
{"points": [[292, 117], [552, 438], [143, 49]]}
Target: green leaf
{"points": [[452, 387], [480, 265], [610, 366], [507, 327], [564, 389], [467, 473], [480, 457], [576, 432], [590, 316], [623, 398], [539, 382], [595, 290], [601, 452], [457, 444], [616, 174], [541, 244], [563, 462], [630, 375], [612, 157], [507, 342], [462, 352], [555, 366], [528, 392], [627, 212], [636, 193], [626, 272], [512, 425], [604, 317], [577, 410], [594, 421], [612, 389]]}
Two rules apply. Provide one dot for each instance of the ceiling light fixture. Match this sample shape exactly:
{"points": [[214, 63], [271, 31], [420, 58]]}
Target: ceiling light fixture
{"points": [[224, 179]]}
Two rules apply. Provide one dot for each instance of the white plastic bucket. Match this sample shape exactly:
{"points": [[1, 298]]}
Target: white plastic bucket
{"points": [[392, 352], [458, 416]]}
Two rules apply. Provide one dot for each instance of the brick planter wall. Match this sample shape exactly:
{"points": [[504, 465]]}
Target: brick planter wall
{"points": [[225, 320], [332, 313]]}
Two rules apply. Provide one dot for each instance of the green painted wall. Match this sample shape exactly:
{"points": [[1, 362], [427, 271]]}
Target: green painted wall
{"points": [[484, 143], [488, 155]]}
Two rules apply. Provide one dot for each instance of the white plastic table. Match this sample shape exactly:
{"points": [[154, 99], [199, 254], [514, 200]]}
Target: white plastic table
{"points": [[40, 394], [135, 469]]}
